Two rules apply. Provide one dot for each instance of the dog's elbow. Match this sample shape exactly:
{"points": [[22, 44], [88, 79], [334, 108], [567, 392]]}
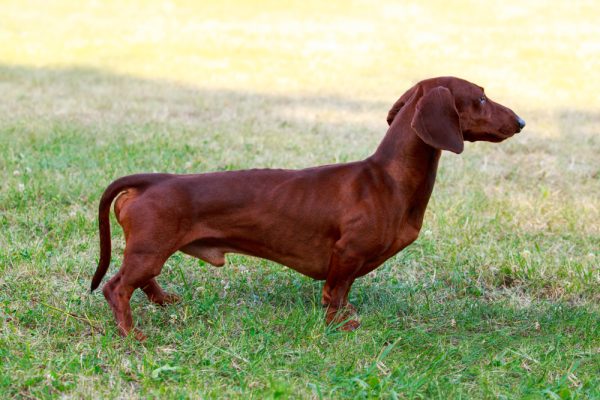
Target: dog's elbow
{"points": [[413, 236], [409, 234]]}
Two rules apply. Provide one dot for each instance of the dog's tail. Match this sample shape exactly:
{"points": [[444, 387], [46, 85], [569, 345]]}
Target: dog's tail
{"points": [[139, 181]]}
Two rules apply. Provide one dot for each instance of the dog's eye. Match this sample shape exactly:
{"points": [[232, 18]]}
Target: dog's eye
{"points": [[482, 100]]}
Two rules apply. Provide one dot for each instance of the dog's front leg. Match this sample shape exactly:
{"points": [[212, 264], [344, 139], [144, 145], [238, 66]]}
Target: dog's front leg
{"points": [[342, 272]]}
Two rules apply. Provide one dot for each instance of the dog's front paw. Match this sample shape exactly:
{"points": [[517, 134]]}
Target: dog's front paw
{"points": [[343, 316], [350, 325]]}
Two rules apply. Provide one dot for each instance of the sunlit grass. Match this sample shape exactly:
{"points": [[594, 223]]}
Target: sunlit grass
{"points": [[537, 54]]}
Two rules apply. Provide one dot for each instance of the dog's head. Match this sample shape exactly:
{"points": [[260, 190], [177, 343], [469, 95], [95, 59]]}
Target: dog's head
{"points": [[447, 111]]}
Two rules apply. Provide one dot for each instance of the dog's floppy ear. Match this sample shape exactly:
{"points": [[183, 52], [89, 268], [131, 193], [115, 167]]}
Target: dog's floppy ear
{"points": [[436, 121], [405, 98]]}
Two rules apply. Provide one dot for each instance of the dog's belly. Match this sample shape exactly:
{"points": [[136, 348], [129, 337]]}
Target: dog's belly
{"points": [[212, 255], [213, 251]]}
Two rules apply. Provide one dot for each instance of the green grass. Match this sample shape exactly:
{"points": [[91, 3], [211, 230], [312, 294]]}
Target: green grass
{"points": [[498, 298]]}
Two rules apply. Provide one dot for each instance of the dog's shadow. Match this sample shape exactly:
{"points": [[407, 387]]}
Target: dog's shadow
{"points": [[213, 128]]}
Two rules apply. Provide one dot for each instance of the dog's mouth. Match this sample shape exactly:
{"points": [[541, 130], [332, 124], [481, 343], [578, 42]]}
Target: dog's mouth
{"points": [[487, 137]]}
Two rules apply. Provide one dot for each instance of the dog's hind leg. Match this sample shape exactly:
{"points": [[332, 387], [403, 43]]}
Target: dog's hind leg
{"points": [[137, 270], [157, 295]]}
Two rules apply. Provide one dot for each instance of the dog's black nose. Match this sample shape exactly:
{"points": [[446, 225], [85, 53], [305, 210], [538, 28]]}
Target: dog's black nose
{"points": [[521, 123]]}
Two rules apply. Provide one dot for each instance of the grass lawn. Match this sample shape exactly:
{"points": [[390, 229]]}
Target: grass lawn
{"points": [[498, 298]]}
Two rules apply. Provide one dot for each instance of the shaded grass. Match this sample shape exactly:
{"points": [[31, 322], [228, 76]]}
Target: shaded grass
{"points": [[265, 336]]}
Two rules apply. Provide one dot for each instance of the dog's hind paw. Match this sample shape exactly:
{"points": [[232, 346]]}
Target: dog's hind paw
{"points": [[171, 298], [138, 335], [164, 299]]}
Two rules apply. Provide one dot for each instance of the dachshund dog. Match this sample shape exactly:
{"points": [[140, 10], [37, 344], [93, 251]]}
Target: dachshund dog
{"points": [[334, 222]]}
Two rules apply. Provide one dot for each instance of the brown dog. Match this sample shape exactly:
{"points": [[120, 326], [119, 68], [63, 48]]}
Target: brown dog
{"points": [[334, 222]]}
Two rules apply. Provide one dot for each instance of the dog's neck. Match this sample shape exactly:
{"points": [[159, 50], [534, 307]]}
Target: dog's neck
{"points": [[411, 163], [405, 157]]}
